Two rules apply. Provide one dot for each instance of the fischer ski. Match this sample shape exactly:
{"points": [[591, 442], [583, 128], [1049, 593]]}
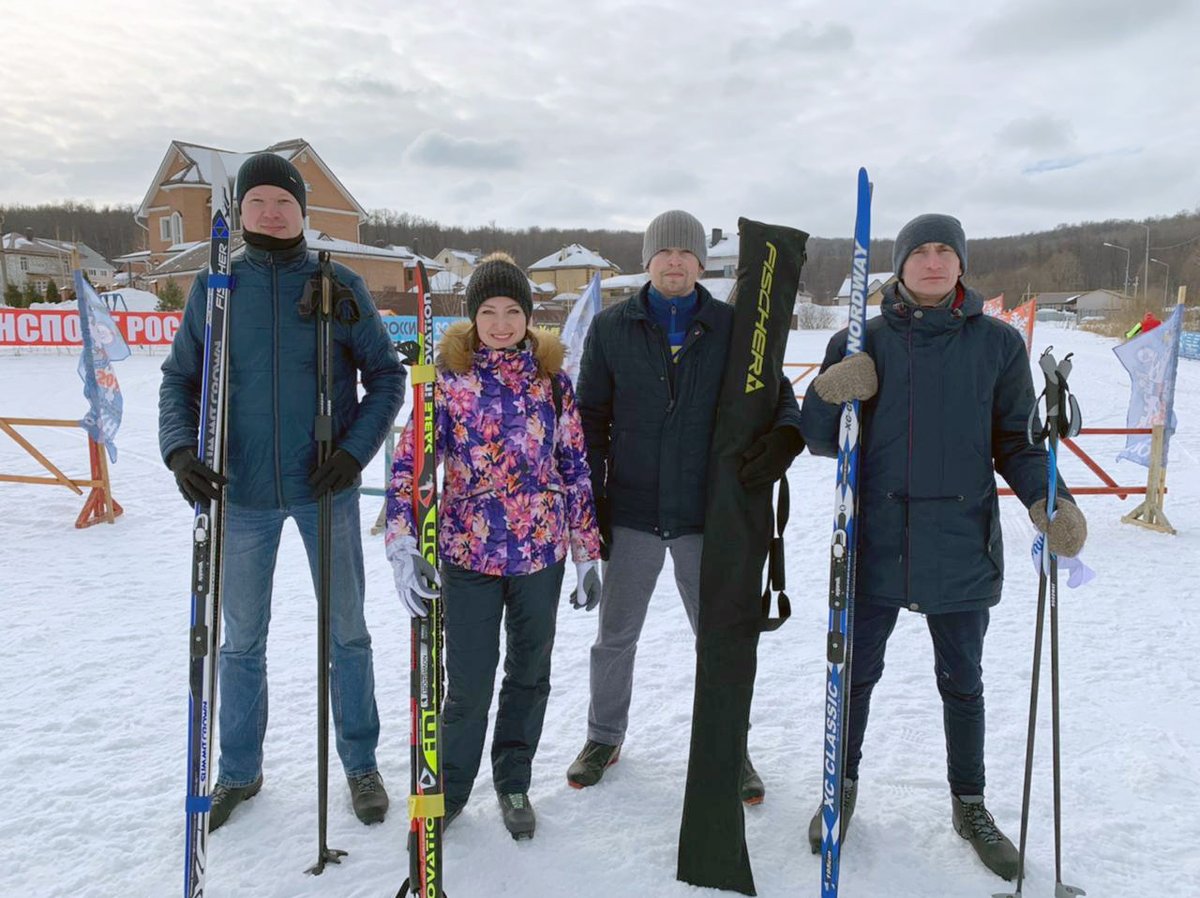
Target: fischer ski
{"points": [[1063, 421], [207, 533], [426, 802], [843, 552]]}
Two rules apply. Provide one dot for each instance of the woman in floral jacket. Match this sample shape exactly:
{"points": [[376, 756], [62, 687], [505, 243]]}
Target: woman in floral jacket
{"points": [[516, 498]]}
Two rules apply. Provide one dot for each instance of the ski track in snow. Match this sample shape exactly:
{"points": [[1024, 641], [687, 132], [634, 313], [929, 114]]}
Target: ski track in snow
{"points": [[93, 719]]}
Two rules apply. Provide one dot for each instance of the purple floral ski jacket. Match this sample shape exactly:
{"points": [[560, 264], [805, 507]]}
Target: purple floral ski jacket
{"points": [[516, 491]]}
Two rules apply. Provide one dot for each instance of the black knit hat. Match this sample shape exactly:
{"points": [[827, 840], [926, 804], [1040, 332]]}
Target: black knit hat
{"points": [[272, 170], [929, 228], [498, 275]]}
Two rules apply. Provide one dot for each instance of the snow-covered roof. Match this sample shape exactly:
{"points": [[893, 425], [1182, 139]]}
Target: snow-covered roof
{"points": [[142, 255], [573, 256], [44, 246], [533, 287], [444, 282], [199, 168], [875, 280], [725, 248], [469, 258], [625, 281], [720, 288]]}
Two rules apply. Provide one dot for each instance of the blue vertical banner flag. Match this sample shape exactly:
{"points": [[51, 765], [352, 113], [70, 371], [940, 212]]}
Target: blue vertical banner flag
{"points": [[102, 345], [1152, 359], [576, 327]]}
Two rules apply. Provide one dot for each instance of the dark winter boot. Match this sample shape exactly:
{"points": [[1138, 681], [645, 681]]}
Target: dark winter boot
{"points": [[753, 790], [519, 818], [369, 797], [973, 822], [849, 797], [588, 768], [226, 798]]}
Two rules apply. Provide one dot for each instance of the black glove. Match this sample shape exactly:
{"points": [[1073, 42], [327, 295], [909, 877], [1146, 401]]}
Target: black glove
{"points": [[604, 525], [768, 459], [197, 481], [339, 471]]}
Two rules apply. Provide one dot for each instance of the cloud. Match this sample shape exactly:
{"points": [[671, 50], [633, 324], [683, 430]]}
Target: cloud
{"points": [[438, 149], [798, 42], [1038, 132], [1031, 27]]}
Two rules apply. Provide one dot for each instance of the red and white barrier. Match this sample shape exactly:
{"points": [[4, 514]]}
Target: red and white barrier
{"points": [[60, 327]]}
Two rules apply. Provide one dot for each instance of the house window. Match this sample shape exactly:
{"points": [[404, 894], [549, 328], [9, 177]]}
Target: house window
{"points": [[24, 262], [170, 228]]}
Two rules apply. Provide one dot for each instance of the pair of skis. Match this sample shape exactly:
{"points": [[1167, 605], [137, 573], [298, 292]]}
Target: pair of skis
{"points": [[207, 535], [426, 802]]}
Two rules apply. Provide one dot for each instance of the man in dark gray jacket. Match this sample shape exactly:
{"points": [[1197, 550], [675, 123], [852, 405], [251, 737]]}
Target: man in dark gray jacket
{"points": [[272, 473], [649, 381], [946, 392]]}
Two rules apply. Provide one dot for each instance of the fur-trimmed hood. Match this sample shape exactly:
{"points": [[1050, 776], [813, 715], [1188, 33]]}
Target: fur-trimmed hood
{"points": [[456, 350]]}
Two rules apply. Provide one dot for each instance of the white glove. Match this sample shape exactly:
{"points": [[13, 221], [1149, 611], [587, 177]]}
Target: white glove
{"points": [[586, 594], [417, 580]]}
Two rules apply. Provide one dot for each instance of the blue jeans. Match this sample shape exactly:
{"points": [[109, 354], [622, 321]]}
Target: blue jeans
{"points": [[958, 653], [251, 546]]}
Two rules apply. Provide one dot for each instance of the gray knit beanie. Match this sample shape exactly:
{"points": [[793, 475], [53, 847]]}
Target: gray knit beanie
{"points": [[273, 170], [675, 229], [929, 228], [498, 275]]}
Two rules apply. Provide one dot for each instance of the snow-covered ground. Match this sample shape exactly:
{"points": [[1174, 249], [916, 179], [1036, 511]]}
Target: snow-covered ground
{"points": [[93, 696]]}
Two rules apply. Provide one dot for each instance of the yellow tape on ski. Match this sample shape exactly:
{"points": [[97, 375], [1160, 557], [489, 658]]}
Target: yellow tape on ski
{"points": [[423, 374], [422, 806]]}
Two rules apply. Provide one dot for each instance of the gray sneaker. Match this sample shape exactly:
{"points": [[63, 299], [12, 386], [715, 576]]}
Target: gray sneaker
{"points": [[849, 798], [588, 767], [226, 798], [369, 796], [973, 822]]}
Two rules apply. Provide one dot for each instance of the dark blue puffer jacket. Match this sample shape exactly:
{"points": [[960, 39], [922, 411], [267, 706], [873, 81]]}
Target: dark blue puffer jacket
{"points": [[272, 385], [954, 394]]}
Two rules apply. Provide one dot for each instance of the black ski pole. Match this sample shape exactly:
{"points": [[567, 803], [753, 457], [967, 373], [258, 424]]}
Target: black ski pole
{"points": [[1062, 420], [323, 430]]}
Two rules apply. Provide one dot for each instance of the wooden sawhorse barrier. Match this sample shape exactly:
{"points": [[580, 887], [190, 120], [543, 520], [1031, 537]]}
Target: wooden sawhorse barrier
{"points": [[99, 506]]}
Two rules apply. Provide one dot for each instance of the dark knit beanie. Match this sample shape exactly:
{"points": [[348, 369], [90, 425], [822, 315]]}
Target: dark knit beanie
{"points": [[929, 228], [498, 275], [675, 229], [274, 171]]}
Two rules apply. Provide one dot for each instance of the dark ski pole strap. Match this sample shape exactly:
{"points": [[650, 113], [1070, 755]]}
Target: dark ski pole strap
{"points": [[776, 570]]}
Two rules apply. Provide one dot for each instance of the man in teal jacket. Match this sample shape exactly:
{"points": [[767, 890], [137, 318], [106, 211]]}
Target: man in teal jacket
{"points": [[272, 472]]}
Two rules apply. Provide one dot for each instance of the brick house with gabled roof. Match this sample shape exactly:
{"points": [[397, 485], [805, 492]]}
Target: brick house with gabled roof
{"points": [[176, 213]]}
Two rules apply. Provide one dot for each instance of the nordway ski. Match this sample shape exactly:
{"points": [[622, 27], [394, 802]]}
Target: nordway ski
{"points": [[843, 552], [426, 802], [207, 532]]}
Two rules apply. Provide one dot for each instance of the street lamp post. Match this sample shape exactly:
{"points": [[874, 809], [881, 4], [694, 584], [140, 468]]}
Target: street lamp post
{"points": [[1166, 279], [1147, 282], [1125, 291]]}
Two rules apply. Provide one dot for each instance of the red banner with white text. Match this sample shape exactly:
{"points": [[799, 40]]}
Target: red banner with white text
{"points": [[54, 327]]}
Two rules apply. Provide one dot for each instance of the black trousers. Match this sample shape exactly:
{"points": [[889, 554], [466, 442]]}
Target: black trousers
{"points": [[958, 652], [475, 604]]}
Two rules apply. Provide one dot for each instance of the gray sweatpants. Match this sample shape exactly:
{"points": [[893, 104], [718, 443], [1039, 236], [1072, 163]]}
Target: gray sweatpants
{"points": [[630, 575]]}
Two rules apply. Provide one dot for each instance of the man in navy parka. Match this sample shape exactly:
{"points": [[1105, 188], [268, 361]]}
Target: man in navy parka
{"points": [[946, 395]]}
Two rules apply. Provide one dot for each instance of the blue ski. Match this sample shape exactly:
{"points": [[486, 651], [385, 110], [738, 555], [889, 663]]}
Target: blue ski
{"points": [[206, 546], [843, 550]]}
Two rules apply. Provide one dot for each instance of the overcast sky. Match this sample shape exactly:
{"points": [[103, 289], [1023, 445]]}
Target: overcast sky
{"points": [[1015, 115]]}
